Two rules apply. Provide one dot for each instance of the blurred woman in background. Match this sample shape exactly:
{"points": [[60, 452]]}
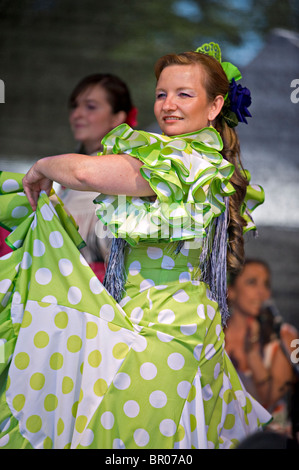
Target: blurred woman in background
{"points": [[98, 103], [258, 341]]}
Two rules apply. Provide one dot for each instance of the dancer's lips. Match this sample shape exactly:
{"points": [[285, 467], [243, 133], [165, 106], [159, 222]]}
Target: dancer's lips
{"points": [[172, 118], [79, 125]]}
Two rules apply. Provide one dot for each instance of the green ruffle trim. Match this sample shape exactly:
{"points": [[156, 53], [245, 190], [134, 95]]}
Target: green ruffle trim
{"points": [[255, 196], [16, 214], [189, 176]]}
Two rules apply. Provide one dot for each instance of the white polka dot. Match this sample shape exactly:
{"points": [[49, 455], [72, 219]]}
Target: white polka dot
{"points": [[83, 260], [46, 213], [166, 316], [4, 426], [8, 255], [167, 262], [207, 392], [218, 330], [211, 312], [226, 385], [141, 437], [181, 296], [95, 285], [185, 277], [165, 338], [197, 351], [19, 212], [107, 312], [167, 427], [17, 299], [240, 397], [34, 222], [148, 371], [18, 243], [125, 300], [188, 330], [26, 260], [185, 251], [50, 299], [107, 420], [43, 276], [56, 239], [4, 440], [201, 311], [146, 284], [87, 438], [38, 248], [4, 285], [158, 399], [74, 295], [65, 266], [209, 351], [10, 186], [131, 408], [161, 287], [183, 389], [134, 268], [136, 314], [216, 370], [118, 444], [122, 381], [140, 344], [154, 253], [176, 361]]}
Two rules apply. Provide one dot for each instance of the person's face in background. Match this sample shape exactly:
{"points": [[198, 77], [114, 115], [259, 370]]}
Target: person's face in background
{"points": [[92, 117], [250, 290], [181, 104]]}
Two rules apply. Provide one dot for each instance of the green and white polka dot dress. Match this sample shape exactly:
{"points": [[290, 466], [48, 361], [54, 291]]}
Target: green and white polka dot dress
{"points": [[79, 370]]}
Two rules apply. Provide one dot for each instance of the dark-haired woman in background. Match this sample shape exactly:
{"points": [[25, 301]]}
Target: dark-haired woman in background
{"points": [[98, 103], [258, 341]]}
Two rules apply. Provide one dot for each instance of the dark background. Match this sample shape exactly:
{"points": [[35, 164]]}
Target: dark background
{"points": [[46, 46]]}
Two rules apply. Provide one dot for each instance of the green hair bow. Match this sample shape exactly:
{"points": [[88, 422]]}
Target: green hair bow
{"points": [[213, 49]]}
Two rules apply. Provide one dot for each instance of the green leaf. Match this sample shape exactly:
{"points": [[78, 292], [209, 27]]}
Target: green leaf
{"points": [[231, 71], [231, 118]]}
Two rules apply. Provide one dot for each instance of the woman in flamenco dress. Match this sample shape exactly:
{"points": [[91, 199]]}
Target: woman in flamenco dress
{"points": [[137, 362]]}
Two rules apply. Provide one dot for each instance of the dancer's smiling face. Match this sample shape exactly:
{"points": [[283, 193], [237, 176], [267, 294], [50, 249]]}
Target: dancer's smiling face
{"points": [[182, 104]]}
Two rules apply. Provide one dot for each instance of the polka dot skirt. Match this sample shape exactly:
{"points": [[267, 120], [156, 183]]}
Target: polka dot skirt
{"points": [[82, 371]]}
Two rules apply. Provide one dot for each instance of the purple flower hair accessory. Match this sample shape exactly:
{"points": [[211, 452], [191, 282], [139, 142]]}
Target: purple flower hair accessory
{"points": [[240, 100]]}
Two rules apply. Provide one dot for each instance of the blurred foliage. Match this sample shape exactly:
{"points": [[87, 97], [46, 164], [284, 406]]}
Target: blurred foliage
{"points": [[46, 46]]}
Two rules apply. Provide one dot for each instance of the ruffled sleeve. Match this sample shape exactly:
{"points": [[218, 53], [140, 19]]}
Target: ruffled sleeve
{"points": [[255, 196], [188, 174]]}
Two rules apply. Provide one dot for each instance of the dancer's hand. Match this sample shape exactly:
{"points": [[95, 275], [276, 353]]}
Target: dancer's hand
{"points": [[33, 183]]}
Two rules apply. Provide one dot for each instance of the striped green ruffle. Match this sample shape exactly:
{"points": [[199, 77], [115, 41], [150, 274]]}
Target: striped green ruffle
{"points": [[189, 176]]}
